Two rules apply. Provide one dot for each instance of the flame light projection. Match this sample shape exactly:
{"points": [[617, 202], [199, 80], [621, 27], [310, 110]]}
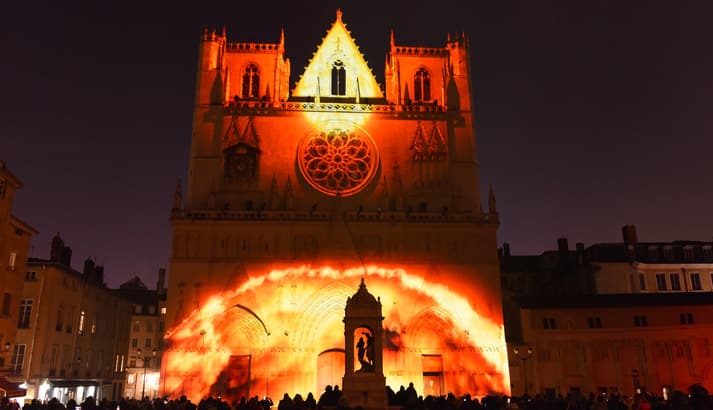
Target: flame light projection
{"points": [[265, 337], [338, 162]]}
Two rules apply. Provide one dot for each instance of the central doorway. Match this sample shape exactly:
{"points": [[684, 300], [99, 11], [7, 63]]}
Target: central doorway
{"points": [[330, 369]]}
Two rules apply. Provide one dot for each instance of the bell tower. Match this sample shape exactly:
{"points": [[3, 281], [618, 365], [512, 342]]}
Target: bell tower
{"points": [[364, 383]]}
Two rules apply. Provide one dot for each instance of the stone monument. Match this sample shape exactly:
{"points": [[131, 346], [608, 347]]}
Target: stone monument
{"points": [[364, 384]]}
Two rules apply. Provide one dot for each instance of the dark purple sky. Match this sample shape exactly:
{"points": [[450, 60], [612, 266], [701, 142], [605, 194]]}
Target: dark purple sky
{"points": [[590, 115]]}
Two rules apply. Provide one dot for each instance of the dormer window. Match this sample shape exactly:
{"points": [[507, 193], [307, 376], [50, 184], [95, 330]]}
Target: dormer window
{"points": [[653, 253], [251, 82], [422, 85], [668, 252], [688, 252], [339, 79]]}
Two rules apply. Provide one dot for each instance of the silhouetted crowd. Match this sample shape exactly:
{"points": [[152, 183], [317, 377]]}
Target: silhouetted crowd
{"points": [[406, 398]]}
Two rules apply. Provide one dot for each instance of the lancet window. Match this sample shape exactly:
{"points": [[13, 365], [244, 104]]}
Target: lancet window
{"points": [[251, 82], [339, 79], [422, 85]]}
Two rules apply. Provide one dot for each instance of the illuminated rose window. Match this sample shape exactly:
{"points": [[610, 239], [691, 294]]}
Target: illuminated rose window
{"points": [[338, 162]]}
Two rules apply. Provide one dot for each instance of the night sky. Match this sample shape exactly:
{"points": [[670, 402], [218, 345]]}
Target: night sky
{"points": [[590, 114]]}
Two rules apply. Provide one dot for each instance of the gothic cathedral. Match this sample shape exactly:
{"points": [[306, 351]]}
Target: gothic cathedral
{"points": [[295, 195]]}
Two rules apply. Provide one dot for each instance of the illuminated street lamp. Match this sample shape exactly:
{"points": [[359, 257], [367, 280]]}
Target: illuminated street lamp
{"points": [[524, 357], [146, 360]]}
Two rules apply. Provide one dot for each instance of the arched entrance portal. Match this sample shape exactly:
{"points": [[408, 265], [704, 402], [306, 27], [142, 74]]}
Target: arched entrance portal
{"points": [[330, 369]]}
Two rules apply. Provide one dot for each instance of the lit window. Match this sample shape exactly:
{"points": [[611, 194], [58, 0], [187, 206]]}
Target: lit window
{"points": [[422, 85], [163, 310], [339, 79], [13, 260], [23, 322], [675, 281], [696, 281], [251, 82], [661, 281], [81, 322]]}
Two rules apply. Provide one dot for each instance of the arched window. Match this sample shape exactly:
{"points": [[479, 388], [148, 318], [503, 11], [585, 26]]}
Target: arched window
{"points": [[422, 85], [251, 82], [339, 79]]}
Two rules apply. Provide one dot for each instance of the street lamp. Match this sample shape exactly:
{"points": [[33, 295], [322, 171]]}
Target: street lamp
{"points": [[524, 357], [146, 360]]}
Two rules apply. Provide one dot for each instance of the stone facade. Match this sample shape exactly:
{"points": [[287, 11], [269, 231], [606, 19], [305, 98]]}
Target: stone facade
{"points": [[294, 195], [15, 238]]}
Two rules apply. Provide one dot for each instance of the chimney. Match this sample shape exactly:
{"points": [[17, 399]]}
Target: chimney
{"points": [[99, 275], [56, 248], [88, 268], [629, 235], [161, 283], [66, 256], [562, 246], [580, 253]]}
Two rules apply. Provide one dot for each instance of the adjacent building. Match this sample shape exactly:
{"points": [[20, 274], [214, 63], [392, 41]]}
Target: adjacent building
{"points": [[295, 194], [15, 238], [622, 317], [146, 337], [72, 329]]}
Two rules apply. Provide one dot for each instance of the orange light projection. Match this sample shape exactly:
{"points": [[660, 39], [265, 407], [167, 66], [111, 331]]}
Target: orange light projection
{"points": [[337, 161], [282, 332]]}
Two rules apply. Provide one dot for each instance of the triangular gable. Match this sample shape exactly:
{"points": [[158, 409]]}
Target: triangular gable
{"points": [[338, 45]]}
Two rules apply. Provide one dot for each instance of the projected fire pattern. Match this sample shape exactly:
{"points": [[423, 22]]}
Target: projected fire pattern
{"points": [[282, 332]]}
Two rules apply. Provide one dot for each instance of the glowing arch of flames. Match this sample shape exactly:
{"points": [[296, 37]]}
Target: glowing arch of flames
{"points": [[200, 347]]}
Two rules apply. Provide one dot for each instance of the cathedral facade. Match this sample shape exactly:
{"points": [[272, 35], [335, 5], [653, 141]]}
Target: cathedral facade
{"points": [[296, 194]]}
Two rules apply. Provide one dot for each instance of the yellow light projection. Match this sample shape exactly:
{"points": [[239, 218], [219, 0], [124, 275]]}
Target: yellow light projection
{"points": [[266, 336], [337, 68]]}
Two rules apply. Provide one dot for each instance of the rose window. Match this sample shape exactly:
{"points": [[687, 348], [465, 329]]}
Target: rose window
{"points": [[338, 162]]}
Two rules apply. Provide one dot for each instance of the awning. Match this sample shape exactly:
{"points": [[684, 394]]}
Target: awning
{"points": [[72, 383], [11, 389]]}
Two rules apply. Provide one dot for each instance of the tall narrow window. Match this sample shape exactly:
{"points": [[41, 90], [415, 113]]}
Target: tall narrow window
{"points": [[339, 79], [6, 298], [661, 281], [23, 321], [18, 358], [696, 281], [422, 85], [251, 82], [13, 260], [59, 324], [81, 322], [675, 281], [642, 281]]}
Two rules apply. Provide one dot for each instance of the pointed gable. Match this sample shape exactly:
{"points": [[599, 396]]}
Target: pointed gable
{"points": [[337, 68]]}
